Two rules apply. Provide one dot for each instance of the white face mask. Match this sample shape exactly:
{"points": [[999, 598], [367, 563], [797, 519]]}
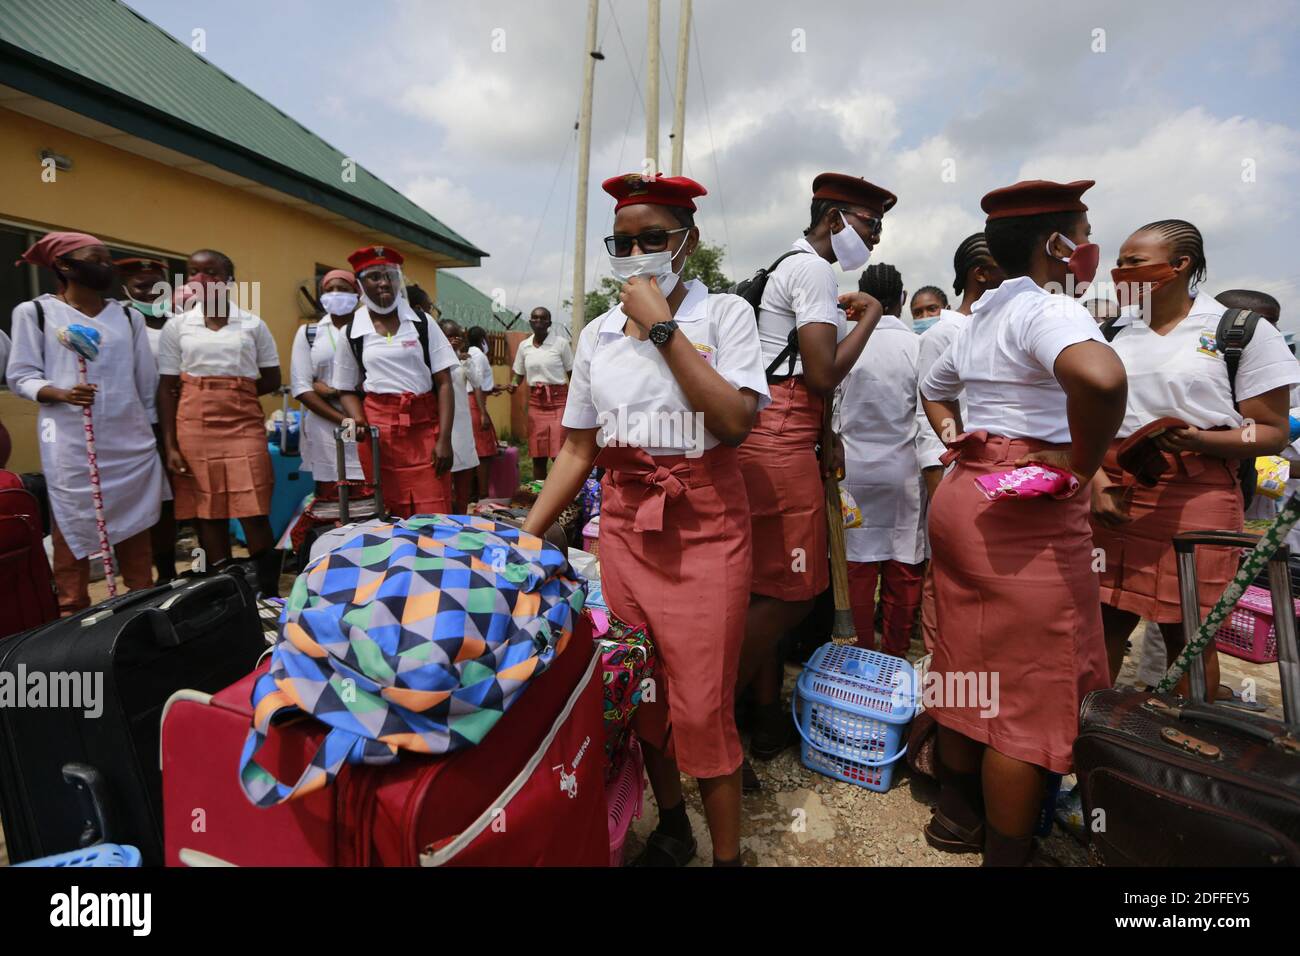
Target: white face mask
{"points": [[850, 249], [339, 303], [657, 264]]}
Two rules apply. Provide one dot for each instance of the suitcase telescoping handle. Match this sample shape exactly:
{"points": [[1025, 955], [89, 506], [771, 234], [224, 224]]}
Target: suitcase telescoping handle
{"points": [[340, 434], [284, 391], [1284, 618]]}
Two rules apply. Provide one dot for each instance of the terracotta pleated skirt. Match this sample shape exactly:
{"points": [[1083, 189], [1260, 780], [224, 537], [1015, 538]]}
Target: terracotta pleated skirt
{"points": [[675, 554], [1140, 573], [221, 434], [787, 500], [1011, 610], [545, 425], [408, 436], [485, 439]]}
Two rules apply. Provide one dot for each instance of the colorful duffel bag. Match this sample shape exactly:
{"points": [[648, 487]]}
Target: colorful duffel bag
{"points": [[411, 635]]}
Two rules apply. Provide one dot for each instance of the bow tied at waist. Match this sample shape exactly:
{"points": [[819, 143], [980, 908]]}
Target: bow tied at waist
{"points": [[636, 470], [960, 442]]}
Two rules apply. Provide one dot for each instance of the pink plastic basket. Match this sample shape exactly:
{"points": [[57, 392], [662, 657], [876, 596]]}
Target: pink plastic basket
{"points": [[624, 794], [1248, 631]]}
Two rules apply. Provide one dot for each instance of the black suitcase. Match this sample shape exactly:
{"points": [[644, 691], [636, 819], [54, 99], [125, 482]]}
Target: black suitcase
{"points": [[68, 780], [1173, 782]]}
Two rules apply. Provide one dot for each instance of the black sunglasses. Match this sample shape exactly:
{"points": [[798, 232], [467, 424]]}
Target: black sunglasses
{"points": [[652, 240], [874, 224]]}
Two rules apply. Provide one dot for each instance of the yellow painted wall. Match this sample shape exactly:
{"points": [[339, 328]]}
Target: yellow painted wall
{"points": [[125, 198]]}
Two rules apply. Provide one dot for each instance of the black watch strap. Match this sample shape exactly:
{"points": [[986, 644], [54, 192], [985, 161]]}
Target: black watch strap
{"points": [[661, 332]]}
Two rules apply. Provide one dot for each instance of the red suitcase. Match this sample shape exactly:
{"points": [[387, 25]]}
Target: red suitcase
{"points": [[531, 794], [26, 584]]}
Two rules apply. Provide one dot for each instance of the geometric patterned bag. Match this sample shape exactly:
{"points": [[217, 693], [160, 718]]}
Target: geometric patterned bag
{"points": [[412, 635]]}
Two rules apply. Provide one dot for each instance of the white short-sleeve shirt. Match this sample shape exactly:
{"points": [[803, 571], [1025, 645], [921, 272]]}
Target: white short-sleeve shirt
{"points": [[241, 348], [545, 364], [478, 370], [1181, 373], [625, 388], [1004, 360], [394, 363], [801, 290]]}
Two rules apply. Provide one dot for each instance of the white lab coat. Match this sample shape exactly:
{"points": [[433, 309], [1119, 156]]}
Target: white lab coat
{"points": [[130, 471], [878, 425], [312, 362], [463, 452]]}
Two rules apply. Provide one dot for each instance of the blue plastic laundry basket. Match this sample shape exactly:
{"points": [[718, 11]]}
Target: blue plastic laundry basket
{"points": [[101, 854], [852, 707]]}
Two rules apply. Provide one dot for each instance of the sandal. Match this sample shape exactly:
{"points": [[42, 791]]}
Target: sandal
{"points": [[947, 837], [662, 850]]}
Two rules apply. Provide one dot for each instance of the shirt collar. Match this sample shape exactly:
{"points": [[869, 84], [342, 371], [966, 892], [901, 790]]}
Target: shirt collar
{"points": [[891, 322], [361, 324], [1009, 289], [803, 245], [693, 308], [194, 314]]}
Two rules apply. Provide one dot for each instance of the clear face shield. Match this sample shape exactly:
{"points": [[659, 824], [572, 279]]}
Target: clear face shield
{"points": [[382, 288]]}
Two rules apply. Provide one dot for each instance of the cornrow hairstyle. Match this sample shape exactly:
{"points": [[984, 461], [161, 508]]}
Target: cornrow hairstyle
{"points": [[935, 291], [973, 251], [884, 282], [1012, 240], [1186, 241], [229, 263]]}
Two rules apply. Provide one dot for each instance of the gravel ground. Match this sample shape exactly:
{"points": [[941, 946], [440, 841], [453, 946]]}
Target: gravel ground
{"points": [[845, 825]]}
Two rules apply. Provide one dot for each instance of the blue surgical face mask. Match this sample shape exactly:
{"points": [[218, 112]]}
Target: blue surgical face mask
{"points": [[920, 325]]}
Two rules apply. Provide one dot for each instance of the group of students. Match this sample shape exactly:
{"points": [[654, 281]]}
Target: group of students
{"points": [[716, 537], [179, 430], [723, 553]]}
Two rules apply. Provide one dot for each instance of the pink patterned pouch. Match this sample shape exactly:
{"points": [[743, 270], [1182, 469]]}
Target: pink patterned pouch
{"points": [[1032, 481]]}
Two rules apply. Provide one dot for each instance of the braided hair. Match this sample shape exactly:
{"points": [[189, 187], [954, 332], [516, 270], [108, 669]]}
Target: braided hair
{"points": [[1186, 241], [973, 251], [883, 282], [933, 290]]}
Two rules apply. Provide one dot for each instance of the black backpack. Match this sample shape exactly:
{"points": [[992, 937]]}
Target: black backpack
{"points": [[1234, 333], [357, 344], [751, 290]]}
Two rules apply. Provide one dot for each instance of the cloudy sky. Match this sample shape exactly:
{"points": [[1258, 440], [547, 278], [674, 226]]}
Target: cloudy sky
{"points": [[1184, 110]]}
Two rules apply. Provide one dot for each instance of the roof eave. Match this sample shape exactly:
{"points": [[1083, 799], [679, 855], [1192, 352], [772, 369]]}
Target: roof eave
{"points": [[38, 77]]}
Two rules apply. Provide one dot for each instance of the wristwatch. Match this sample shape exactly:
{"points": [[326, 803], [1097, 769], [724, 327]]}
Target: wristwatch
{"points": [[661, 332]]}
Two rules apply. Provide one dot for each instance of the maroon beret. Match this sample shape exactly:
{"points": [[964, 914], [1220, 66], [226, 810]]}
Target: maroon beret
{"points": [[633, 189], [1035, 197], [854, 190]]}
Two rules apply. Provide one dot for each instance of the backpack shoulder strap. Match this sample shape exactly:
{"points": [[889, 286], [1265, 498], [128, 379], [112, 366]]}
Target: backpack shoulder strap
{"points": [[422, 331], [310, 332], [358, 351], [40, 316], [1109, 330], [785, 255], [131, 312], [1234, 333], [789, 354]]}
